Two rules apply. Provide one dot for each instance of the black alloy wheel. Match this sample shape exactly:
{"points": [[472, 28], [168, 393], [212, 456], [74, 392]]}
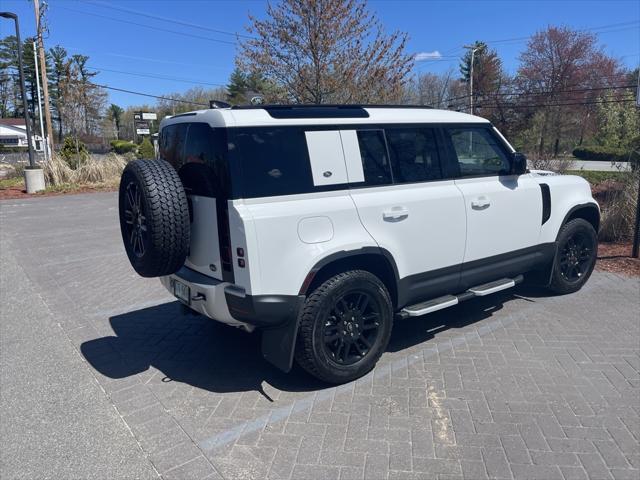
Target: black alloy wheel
{"points": [[135, 220], [154, 217], [351, 328], [577, 250], [345, 326], [575, 256]]}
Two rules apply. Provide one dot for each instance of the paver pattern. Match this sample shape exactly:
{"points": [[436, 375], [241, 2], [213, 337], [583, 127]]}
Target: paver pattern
{"points": [[515, 385]]}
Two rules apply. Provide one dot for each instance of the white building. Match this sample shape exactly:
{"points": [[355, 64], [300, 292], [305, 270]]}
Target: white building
{"points": [[13, 133]]}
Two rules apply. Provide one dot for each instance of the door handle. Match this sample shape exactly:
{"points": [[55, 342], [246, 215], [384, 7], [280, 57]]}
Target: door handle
{"points": [[480, 203], [395, 214]]}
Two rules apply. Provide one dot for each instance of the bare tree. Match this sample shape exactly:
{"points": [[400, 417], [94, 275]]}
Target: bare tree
{"points": [[435, 90], [326, 51], [557, 67]]}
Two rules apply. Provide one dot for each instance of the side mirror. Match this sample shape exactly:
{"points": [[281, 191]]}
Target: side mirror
{"points": [[518, 163]]}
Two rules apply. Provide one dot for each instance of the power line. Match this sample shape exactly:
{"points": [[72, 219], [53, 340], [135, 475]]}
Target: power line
{"points": [[159, 77], [176, 32], [506, 105], [578, 90], [627, 26], [159, 97], [110, 6]]}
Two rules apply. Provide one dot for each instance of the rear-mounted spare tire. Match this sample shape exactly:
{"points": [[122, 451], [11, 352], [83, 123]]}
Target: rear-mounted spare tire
{"points": [[154, 217]]}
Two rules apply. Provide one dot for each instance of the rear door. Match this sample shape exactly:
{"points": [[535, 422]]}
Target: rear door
{"points": [[196, 153], [503, 211], [407, 206]]}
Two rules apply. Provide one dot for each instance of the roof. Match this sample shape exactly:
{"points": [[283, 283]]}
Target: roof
{"points": [[273, 115], [12, 121]]}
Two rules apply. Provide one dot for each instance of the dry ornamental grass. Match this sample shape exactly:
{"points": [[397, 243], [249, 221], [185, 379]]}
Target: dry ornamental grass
{"points": [[92, 170]]}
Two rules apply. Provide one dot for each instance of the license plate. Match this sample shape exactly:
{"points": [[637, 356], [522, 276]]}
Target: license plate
{"points": [[182, 292]]}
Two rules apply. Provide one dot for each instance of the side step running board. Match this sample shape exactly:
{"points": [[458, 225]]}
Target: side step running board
{"points": [[492, 287], [430, 306], [439, 303]]}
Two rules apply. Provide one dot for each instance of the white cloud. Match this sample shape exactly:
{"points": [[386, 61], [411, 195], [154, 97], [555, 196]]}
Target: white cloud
{"points": [[422, 56]]}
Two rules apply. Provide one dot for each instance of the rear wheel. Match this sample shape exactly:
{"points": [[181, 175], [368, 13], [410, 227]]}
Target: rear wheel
{"points": [[345, 327], [576, 256]]}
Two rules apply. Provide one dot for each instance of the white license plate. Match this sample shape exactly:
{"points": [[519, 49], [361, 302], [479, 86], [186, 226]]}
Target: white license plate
{"points": [[182, 292]]}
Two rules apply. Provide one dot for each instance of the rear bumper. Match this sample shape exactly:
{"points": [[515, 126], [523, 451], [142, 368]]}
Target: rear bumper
{"points": [[262, 310], [228, 303]]}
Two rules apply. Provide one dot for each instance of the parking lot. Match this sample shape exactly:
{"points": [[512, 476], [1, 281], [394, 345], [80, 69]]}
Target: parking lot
{"points": [[103, 376]]}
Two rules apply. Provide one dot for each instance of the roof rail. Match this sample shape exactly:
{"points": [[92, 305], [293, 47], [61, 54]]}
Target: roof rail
{"points": [[320, 111]]}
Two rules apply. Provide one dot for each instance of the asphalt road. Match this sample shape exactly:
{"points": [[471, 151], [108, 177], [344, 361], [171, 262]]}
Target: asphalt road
{"points": [[102, 376]]}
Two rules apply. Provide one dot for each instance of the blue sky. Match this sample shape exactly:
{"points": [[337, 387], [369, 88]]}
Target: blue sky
{"points": [[203, 56]]}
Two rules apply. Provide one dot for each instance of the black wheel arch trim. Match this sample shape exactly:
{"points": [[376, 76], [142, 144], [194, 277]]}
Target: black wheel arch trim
{"points": [[345, 254], [583, 206]]}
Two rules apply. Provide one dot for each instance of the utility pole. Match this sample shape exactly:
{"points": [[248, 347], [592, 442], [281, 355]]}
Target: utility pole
{"points": [[45, 147], [635, 251], [43, 74], [473, 49]]}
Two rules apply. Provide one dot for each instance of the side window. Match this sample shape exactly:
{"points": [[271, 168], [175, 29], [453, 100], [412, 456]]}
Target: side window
{"points": [[414, 154], [375, 160], [275, 161], [478, 152], [172, 145]]}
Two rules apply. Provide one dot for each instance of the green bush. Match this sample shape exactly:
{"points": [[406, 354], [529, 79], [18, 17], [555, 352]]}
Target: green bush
{"points": [[73, 152], [146, 150], [122, 146], [605, 154]]}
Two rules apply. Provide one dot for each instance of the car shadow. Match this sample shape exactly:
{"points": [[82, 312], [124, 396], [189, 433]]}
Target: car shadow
{"points": [[205, 354]]}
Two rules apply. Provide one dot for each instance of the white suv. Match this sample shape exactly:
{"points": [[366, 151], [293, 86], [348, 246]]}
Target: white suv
{"points": [[320, 225]]}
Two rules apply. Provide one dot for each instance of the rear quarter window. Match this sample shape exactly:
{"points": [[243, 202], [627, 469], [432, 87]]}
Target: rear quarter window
{"points": [[274, 161]]}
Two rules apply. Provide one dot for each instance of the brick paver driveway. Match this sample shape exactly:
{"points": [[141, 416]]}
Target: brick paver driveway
{"points": [[517, 385]]}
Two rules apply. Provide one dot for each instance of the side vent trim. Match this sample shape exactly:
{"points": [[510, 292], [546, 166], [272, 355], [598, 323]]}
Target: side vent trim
{"points": [[546, 202]]}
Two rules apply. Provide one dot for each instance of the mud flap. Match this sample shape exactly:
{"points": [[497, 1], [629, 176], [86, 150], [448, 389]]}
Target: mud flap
{"points": [[279, 343]]}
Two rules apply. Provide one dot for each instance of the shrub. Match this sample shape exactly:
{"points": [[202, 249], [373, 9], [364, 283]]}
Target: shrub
{"points": [[122, 146], [619, 212], [73, 151], [146, 149], [605, 154]]}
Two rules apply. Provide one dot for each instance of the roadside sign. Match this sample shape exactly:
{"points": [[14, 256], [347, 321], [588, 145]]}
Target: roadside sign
{"points": [[143, 127], [144, 116]]}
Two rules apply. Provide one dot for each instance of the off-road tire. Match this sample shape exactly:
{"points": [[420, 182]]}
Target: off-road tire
{"points": [[574, 228], [165, 216], [310, 353]]}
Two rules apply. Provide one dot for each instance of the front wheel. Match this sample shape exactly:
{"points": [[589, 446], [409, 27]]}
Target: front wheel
{"points": [[345, 326], [575, 258]]}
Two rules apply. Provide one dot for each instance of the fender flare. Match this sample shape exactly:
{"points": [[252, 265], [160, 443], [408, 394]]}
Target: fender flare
{"points": [[583, 206], [344, 254]]}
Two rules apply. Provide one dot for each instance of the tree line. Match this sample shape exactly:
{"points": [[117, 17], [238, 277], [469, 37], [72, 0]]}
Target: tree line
{"points": [[566, 91], [77, 105]]}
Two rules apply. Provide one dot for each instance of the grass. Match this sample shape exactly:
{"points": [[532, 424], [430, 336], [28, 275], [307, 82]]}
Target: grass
{"points": [[595, 178], [11, 182]]}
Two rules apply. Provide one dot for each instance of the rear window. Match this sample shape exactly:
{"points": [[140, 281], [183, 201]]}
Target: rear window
{"points": [[198, 152], [274, 161]]}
